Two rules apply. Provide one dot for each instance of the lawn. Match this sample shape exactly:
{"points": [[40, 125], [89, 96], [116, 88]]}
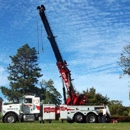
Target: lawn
{"points": [[64, 126]]}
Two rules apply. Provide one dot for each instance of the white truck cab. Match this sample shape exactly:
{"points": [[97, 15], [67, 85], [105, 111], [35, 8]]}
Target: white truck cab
{"points": [[27, 109]]}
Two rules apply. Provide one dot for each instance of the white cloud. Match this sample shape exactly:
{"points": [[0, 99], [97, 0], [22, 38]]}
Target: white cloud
{"points": [[91, 36], [3, 77]]}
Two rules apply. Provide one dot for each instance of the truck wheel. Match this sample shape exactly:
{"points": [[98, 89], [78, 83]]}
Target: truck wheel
{"points": [[100, 119], [91, 118], [70, 121], [79, 118], [10, 118]]}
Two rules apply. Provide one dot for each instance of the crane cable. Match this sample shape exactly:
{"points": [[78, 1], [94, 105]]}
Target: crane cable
{"points": [[42, 39], [37, 37]]}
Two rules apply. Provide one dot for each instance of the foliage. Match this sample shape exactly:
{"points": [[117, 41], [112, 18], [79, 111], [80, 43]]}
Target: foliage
{"points": [[95, 98], [23, 74], [125, 60], [128, 111], [52, 96], [117, 109]]}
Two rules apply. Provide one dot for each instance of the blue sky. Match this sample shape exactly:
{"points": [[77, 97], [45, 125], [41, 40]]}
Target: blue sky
{"points": [[91, 35]]}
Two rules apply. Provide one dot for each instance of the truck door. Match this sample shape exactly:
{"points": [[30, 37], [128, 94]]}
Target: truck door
{"points": [[28, 105]]}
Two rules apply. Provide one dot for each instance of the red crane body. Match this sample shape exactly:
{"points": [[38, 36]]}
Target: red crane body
{"points": [[73, 98]]}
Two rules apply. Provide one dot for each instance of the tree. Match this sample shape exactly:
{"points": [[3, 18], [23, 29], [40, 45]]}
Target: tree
{"points": [[95, 98], [23, 74], [117, 109], [52, 96], [128, 111], [125, 60]]}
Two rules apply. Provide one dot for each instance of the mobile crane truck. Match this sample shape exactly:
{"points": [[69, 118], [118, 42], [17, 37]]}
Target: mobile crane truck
{"points": [[73, 109]]}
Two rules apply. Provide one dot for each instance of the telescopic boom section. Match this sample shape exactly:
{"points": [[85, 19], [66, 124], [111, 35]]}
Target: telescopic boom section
{"points": [[73, 99]]}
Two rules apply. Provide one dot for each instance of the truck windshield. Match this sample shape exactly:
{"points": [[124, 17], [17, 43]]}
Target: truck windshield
{"points": [[28, 100]]}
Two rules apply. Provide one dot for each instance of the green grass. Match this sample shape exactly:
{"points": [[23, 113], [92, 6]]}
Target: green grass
{"points": [[64, 126]]}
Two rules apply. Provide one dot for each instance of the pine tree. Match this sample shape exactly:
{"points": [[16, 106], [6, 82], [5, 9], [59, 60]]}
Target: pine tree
{"points": [[23, 74]]}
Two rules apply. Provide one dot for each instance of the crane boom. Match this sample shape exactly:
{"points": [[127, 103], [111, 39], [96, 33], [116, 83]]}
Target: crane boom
{"points": [[73, 99], [50, 35]]}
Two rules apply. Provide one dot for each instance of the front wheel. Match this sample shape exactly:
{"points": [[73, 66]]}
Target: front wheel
{"points": [[91, 118], [10, 118]]}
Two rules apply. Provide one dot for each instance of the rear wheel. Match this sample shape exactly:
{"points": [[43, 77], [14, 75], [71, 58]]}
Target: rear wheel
{"points": [[10, 118], [100, 119], [79, 118], [70, 121], [91, 118]]}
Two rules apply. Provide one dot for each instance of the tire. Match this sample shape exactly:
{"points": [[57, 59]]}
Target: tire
{"points": [[10, 118], [91, 118], [79, 118], [100, 119], [70, 121]]}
